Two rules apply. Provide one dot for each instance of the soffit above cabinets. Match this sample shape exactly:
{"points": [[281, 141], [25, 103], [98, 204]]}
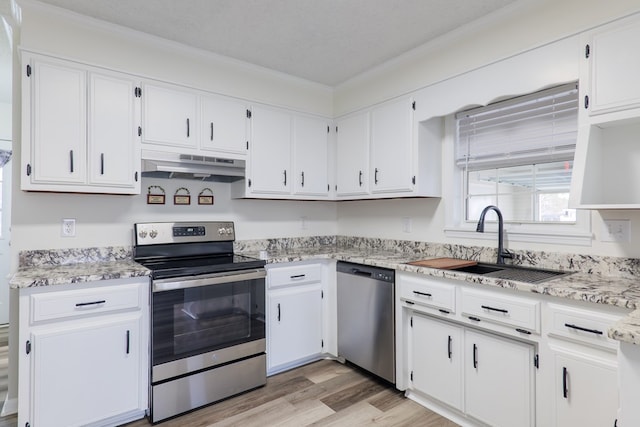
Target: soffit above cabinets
{"points": [[327, 42]]}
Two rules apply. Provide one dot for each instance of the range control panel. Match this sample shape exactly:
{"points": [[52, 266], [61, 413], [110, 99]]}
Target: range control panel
{"points": [[153, 233], [189, 231]]}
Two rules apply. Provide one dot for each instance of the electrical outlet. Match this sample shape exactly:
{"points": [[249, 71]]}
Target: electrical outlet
{"points": [[406, 225], [616, 230], [68, 227]]}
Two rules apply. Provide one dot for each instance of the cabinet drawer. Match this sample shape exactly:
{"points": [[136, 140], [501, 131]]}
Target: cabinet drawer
{"points": [[585, 326], [294, 275], [428, 292], [64, 304], [507, 310]]}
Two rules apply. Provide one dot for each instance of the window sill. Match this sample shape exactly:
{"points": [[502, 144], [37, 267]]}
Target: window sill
{"points": [[560, 237]]}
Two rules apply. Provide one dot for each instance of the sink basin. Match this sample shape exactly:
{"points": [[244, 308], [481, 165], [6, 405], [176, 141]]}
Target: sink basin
{"points": [[511, 272]]}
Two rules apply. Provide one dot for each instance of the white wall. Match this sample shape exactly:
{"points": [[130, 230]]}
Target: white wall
{"points": [[462, 70], [525, 25], [5, 121], [104, 220]]}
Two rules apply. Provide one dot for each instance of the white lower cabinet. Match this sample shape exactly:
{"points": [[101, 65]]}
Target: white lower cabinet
{"points": [[294, 316], [86, 374], [498, 380], [86, 362], [484, 376], [584, 366], [585, 390], [437, 359]]}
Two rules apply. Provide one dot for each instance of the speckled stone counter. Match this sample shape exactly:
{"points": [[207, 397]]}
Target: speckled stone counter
{"points": [[65, 266], [619, 291], [599, 280]]}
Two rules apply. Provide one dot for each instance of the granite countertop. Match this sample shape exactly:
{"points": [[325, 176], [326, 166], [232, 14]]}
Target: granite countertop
{"points": [[47, 275], [619, 292], [615, 291]]}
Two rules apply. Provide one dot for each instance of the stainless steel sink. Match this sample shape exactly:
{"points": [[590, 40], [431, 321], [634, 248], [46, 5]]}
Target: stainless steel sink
{"points": [[511, 272]]}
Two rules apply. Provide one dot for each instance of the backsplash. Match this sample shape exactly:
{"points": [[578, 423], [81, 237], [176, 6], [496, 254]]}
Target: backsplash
{"points": [[601, 265], [44, 257], [283, 244], [590, 264]]}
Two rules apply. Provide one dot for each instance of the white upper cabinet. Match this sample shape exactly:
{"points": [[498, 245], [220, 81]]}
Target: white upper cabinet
{"points": [[392, 147], [80, 128], [224, 126], [352, 155], [169, 116], [614, 66], [382, 153], [270, 151], [606, 173], [288, 156], [310, 151], [58, 106], [114, 150]]}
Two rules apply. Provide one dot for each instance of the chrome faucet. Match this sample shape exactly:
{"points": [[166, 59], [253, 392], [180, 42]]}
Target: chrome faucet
{"points": [[502, 253]]}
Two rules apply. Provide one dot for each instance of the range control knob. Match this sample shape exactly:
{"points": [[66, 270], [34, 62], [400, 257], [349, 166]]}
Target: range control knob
{"points": [[142, 234], [220, 231], [153, 234]]}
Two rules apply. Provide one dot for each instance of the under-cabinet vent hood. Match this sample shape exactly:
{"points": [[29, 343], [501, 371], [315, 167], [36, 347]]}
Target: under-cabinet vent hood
{"points": [[187, 166]]}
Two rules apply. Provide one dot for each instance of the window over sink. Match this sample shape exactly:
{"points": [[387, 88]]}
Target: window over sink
{"points": [[518, 154]]}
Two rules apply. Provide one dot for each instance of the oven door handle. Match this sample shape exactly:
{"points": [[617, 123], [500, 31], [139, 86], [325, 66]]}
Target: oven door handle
{"points": [[208, 280]]}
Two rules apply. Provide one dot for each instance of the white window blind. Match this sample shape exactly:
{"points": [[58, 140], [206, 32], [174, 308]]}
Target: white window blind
{"points": [[536, 128]]}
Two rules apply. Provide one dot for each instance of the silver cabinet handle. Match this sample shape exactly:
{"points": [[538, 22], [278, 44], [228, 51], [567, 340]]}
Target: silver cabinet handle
{"points": [[285, 176], [360, 178], [279, 312], [101, 163], [212, 131], [71, 161], [302, 183], [188, 129]]}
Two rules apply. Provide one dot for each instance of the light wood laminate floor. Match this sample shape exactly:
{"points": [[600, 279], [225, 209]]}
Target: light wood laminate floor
{"points": [[324, 393]]}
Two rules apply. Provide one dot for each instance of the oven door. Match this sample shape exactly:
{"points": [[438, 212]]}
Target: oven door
{"points": [[203, 321]]}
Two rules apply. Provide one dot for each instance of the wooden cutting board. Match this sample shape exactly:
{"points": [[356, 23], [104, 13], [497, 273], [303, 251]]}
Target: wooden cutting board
{"points": [[443, 263]]}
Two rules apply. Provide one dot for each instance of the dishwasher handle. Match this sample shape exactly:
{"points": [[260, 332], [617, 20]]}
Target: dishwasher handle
{"points": [[359, 272]]}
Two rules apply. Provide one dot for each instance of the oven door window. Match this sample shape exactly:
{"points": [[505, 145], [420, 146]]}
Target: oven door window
{"points": [[192, 321]]}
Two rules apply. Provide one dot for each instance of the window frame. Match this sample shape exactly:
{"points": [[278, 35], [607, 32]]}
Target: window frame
{"points": [[456, 226]]}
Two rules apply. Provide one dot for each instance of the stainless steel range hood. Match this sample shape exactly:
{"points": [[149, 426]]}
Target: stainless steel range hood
{"points": [[158, 164]]}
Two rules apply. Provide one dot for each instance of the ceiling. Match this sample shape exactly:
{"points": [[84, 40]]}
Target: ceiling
{"points": [[324, 41]]}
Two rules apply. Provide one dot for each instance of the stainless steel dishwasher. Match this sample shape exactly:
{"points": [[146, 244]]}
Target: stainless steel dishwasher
{"points": [[366, 331]]}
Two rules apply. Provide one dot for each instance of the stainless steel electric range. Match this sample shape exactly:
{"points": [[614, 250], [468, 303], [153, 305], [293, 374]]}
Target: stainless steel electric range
{"points": [[207, 316]]}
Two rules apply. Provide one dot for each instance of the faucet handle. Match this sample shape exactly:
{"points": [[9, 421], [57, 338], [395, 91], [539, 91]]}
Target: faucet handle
{"points": [[506, 254]]}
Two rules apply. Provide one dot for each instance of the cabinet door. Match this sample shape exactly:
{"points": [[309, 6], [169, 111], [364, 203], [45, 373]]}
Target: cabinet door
{"points": [[270, 160], [114, 156], [436, 351], [498, 380], [615, 65], [310, 147], [352, 156], [58, 123], [87, 373], [169, 116], [586, 391], [295, 324], [224, 125], [391, 147]]}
